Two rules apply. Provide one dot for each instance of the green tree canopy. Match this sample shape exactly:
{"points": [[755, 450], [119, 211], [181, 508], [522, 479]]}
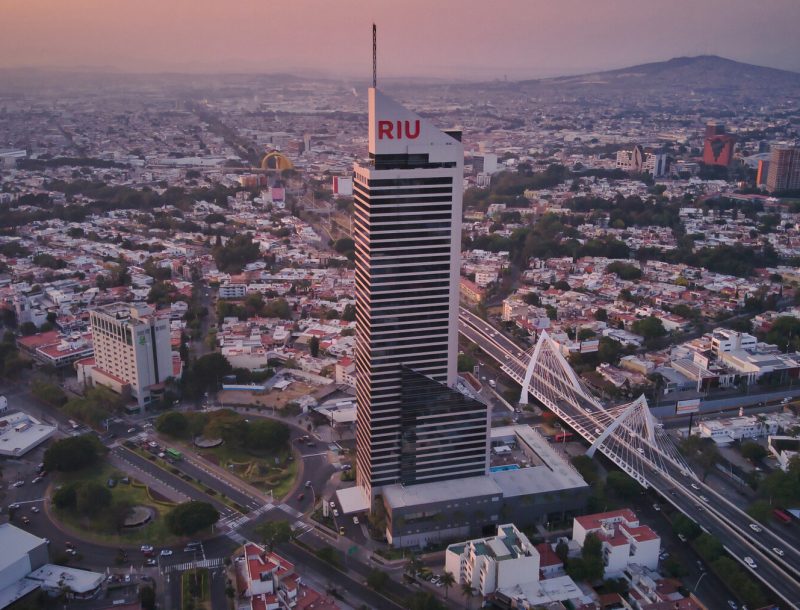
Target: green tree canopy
{"points": [[73, 453], [272, 533], [191, 517], [173, 423]]}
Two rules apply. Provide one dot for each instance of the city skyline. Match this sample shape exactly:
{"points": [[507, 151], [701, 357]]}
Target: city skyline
{"points": [[478, 44]]}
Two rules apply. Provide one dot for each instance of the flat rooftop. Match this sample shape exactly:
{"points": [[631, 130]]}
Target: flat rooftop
{"points": [[19, 433], [53, 576], [15, 542]]}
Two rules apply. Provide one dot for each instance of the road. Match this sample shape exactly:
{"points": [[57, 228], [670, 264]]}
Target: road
{"points": [[718, 515]]}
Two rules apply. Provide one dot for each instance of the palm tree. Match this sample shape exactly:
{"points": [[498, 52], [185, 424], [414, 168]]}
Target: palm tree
{"points": [[468, 592], [447, 580]]}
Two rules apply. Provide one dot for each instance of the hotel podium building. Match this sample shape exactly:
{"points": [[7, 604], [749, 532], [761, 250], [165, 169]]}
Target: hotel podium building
{"points": [[407, 230]]}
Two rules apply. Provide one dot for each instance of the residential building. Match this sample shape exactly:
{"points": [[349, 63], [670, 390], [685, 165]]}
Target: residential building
{"points": [[487, 564], [718, 146], [637, 161], [724, 340], [784, 169], [345, 371], [625, 541], [132, 351], [230, 290], [269, 582], [407, 232]]}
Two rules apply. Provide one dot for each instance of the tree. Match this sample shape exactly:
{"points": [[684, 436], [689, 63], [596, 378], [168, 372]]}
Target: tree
{"points": [[465, 363], [448, 580], [147, 597], [349, 313], [92, 498], [624, 271], [469, 593], [27, 329], [424, 600], [753, 451], [65, 497], [601, 315], [238, 251], [173, 423], [73, 453], [377, 580], [191, 517], [683, 525], [278, 308], [622, 484], [272, 533], [562, 550], [266, 435], [313, 346], [413, 565], [650, 328]]}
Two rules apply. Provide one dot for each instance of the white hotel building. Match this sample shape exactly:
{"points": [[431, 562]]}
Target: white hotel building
{"points": [[132, 351]]}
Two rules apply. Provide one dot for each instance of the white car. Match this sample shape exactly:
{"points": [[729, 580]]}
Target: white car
{"points": [[750, 563], [332, 504], [656, 507], [335, 513], [777, 551], [704, 499], [355, 522], [146, 548], [166, 552], [755, 527], [694, 486]]}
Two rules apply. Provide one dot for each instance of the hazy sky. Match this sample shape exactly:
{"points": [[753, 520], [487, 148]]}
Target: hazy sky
{"points": [[447, 38]]}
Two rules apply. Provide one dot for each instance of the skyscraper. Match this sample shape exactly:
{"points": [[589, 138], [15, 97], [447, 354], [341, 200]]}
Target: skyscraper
{"points": [[784, 168], [407, 233]]}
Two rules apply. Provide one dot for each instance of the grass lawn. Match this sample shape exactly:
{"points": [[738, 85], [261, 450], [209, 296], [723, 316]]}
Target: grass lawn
{"points": [[269, 471], [135, 493], [196, 589]]}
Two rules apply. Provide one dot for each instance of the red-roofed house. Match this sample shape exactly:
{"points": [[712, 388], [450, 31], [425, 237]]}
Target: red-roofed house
{"points": [[55, 349], [624, 540], [270, 583]]}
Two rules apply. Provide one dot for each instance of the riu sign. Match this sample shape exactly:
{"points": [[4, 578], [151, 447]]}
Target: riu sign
{"points": [[398, 130]]}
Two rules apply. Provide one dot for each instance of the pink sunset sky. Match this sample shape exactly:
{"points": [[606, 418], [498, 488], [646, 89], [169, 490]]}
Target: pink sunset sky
{"points": [[465, 39]]}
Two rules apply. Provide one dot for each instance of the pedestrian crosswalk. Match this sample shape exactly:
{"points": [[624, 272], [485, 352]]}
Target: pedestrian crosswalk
{"points": [[191, 565], [291, 511]]}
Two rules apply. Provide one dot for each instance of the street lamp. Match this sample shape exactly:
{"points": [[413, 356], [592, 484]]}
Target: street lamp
{"points": [[698, 581]]}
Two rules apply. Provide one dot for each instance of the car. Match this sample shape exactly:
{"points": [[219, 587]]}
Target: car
{"points": [[72, 552], [69, 545], [311, 444], [150, 562], [695, 487], [332, 504], [189, 549], [656, 507], [355, 522], [777, 551], [35, 509], [25, 520], [347, 467], [165, 552], [35, 480], [700, 566], [308, 484], [14, 506], [681, 537], [755, 528], [750, 563], [146, 548], [335, 513], [341, 530], [704, 499], [131, 430], [300, 496], [19, 484], [640, 450], [732, 605]]}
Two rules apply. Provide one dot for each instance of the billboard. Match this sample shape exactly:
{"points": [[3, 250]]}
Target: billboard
{"points": [[684, 407]]}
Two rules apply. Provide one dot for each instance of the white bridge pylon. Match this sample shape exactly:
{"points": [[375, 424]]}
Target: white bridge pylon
{"points": [[628, 434]]}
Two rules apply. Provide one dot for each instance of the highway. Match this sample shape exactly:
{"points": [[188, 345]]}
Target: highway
{"points": [[683, 489]]}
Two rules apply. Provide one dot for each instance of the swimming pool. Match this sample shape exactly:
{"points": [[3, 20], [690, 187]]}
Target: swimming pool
{"points": [[504, 468]]}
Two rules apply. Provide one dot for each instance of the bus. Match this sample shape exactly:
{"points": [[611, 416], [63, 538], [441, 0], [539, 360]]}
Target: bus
{"points": [[174, 454], [563, 437], [781, 516]]}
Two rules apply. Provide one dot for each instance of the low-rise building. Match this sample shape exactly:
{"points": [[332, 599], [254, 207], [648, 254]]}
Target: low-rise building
{"points": [[487, 564], [625, 541]]}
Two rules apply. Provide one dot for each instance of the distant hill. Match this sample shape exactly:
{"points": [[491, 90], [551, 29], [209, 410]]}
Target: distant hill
{"points": [[704, 73]]}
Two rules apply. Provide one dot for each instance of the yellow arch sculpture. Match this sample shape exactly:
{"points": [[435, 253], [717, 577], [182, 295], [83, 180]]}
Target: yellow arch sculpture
{"points": [[276, 161]]}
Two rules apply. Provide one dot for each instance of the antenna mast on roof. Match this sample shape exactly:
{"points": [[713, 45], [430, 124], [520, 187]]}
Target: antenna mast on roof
{"points": [[374, 56]]}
